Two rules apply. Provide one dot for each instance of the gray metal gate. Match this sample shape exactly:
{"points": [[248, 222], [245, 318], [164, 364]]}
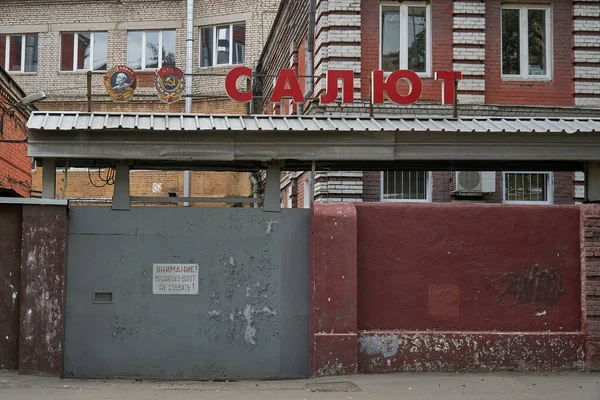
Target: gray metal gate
{"points": [[248, 320]]}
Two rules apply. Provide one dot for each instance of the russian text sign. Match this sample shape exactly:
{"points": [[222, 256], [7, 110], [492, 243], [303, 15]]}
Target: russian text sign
{"points": [[383, 84], [175, 279]]}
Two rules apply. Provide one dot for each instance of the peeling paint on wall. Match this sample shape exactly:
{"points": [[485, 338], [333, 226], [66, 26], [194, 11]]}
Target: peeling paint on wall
{"points": [[439, 351]]}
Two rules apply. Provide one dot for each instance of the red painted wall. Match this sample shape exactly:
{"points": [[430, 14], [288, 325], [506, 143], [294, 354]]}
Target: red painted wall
{"points": [[441, 15], [446, 267], [557, 92]]}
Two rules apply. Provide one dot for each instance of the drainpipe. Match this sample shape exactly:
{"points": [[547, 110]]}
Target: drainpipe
{"points": [[189, 69], [310, 59], [254, 181]]}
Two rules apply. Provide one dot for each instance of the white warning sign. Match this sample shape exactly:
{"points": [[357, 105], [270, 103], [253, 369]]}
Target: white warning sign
{"points": [[175, 279]]}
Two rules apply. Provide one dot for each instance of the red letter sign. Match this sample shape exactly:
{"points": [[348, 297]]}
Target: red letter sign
{"points": [[331, 91], [389, 86], [231, 84], [287, 76], [447, 78]]}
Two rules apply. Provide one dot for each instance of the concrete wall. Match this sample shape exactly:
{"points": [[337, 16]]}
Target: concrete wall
{"points": [[401, 287], [33, 247], [42, 294]]}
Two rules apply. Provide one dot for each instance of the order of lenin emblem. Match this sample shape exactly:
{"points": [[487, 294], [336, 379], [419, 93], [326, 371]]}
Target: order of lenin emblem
{"points": [[169, 84], [120, 82]]}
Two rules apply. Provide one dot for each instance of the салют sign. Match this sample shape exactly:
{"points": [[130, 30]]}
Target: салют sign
{"points": [[287, 86]]}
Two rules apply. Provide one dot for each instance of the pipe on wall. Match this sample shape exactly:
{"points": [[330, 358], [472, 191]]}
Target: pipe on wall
{"points": [[189, 69]]}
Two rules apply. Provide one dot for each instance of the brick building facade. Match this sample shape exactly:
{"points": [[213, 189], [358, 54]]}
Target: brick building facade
{"points": [[15, 178], [42, 44], [523, 59]]}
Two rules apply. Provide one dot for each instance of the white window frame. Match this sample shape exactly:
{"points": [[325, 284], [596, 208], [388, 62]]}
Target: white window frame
{"points": [[160, 46], [232, 46], [75, 53], [403, 7], [428, 195], [524, 43], [23, 47], [549, 185]]}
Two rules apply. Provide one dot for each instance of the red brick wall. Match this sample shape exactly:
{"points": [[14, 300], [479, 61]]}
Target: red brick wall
{"points": [[15, 166], [590, 258], [441, 14], [371, 186], [564, 191], [557, 92]]}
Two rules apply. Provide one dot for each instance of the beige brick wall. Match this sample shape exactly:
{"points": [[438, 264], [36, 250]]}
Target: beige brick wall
{"points": [[67, 90], [116, 16], [203, 184]]}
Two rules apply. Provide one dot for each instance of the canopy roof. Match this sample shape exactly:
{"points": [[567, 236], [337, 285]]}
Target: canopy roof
{"points": [[251, 142]]}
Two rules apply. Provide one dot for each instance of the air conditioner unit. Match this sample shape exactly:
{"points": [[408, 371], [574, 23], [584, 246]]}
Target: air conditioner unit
{"points": [[473, 183]]}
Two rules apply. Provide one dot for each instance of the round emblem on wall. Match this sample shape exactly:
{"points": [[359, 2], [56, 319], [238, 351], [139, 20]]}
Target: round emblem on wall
{"points": [[169, 84], [120, 82]]}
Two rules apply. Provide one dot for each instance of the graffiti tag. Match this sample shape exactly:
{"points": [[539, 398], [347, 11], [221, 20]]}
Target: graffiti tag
{"points": [[534, 286]]}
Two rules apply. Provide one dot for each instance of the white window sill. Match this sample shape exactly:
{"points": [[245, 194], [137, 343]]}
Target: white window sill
{"points": [[528, 79], [222, 66], [422, 75], [405, 201], [528, 203], [81, 72], [22, 73]]}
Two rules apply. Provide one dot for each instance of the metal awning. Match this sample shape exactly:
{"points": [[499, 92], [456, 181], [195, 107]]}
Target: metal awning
{"points": [[250, 142]]}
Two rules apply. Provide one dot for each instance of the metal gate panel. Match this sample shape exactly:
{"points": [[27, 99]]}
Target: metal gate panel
{"points": [[248, 320]]}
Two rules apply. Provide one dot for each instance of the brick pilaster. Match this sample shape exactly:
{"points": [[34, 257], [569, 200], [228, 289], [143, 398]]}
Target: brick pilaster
{"points": [[590, 297]]}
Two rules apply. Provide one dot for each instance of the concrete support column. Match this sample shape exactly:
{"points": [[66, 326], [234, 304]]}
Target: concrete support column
{"points": [[49, 178], [592, 181], [333, 296], [121, 194], [272, 201]]}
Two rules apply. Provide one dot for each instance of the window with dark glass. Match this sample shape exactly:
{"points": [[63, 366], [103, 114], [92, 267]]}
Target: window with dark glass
{"points": [[527, 187], [405, 186], [405, 37], [223, 45], [19, 53], [526, 41], [151, 49], [83, 51]]}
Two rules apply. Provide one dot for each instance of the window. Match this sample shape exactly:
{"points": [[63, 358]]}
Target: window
{"points": [[406, 37], [19, 53], [83, 51], [151, 49], [222, 45], [406, 186], [526, 42], [528, 187]]}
